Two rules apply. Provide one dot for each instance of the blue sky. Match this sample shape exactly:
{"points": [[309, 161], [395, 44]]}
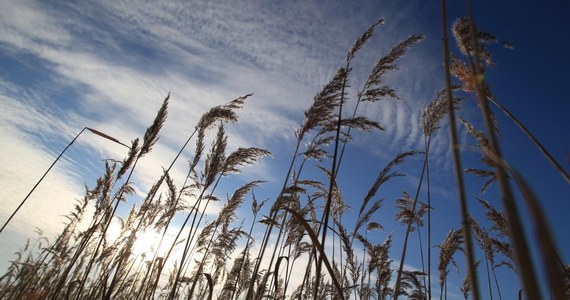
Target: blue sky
{"points": [[108, 65]]}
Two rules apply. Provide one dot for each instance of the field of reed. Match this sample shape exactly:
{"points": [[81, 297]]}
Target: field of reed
{"points": [[309, 247]]}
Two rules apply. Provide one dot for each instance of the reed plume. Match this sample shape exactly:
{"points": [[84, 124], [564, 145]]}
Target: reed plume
{"points": [[451, 244]]}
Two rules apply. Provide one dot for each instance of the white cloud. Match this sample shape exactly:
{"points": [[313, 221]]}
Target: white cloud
{"points": [[52, 199]]}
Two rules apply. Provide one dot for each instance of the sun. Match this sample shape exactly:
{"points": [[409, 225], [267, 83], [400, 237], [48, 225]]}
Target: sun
{"points": [[147, 242]]}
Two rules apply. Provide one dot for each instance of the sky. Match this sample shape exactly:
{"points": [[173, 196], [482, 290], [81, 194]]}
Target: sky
{"points": [[109, 64]]}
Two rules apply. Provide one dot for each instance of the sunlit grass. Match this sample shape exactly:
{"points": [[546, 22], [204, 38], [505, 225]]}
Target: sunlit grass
{"points": [[166, 246]]}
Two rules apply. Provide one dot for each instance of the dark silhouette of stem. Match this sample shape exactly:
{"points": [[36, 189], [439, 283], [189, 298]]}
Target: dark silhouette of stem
{"points": [[470, 255], [331, 186], [50, 167], [522, 255], [409, 225], [429, 226], [539, 145]]}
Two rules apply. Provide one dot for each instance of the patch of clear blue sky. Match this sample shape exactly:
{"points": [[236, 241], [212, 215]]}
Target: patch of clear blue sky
{"points": [[33, 75]]}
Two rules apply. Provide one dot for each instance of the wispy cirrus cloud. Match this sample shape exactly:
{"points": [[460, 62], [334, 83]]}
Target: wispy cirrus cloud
{"points": [[156, 48]]}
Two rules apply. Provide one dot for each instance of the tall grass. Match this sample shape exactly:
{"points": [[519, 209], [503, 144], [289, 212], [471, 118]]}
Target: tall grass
{"points": [[96, 132], [307, 233]]}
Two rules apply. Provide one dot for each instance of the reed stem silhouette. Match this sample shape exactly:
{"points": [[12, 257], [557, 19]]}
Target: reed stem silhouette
{"points": [[51, 166]]}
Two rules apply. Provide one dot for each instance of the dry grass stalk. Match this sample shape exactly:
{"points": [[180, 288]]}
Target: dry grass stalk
{"points": [[320, 249], [486, 244], [240, 157], [435, 111], [466, 287], [412, 285], [151, 134], [467, 80], [546, 242], [385, 174], [325, 102], [407, 213], [500, 227], [470, 257], [374, 89], [520, 244], [99, 133], [106, 136], [450, 245], [567, 282], [361, 41], [150, 138]]}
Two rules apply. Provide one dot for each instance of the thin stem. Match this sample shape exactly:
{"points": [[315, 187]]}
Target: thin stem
{"points": [[55, 161], [409, 225], [422, 255], [104, 232], [470, 255], [429, 225], [331, 185], [497, 283], [488, 278], [268, 230], [245, 252], [539, 145], [522, 255], [41, 179]]}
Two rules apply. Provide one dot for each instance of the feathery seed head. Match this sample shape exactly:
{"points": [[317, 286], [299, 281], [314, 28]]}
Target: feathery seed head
{"points": [[152, 132], [227, 214], [373, 89], [435, 111], [496, 217], [465, 75], [222, 113], [465, 44], [359, 43], [128, 162], [482, 143], [242, 156], [106, 136], [215, 159], [407, 214], [447, 248], [325, 102]]}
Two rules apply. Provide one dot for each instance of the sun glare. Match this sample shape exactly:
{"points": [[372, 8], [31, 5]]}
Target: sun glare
{"points": [[146, 243]]}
